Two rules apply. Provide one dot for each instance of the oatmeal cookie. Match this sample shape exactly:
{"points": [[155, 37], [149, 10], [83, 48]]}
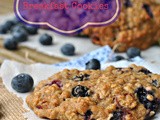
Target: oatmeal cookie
{"points": [[137, 26], [131, 93]]}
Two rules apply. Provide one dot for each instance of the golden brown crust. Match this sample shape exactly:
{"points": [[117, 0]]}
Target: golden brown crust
{"points": [[134, 27], [110, 90]]}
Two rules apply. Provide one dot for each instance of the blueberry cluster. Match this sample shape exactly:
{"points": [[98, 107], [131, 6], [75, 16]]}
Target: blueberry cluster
{"points": [[151, 104], [19, 33], [131, 53]]}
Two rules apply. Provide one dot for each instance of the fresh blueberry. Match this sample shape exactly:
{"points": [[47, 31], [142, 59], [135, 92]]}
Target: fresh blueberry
{"points": [[80, 91], [93, 64], [45, 39], [10, 43], [20, 36], [133, 52], [117, 115], [3, 29], [81, 77], [68, 49], [148, 10], [15, 21], [117, 58], [22, 83], [19, 28], [142, 97], [6, 27], [88, 115], [31, 30]]}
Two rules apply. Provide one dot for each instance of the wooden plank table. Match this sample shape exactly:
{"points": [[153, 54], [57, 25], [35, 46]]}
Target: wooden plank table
{"points": [[10, 105]]}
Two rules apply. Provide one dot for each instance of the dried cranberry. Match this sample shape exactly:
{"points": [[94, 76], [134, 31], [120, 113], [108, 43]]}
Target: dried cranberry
{"points": [[39, 107], [57, 82], [88, 115]]}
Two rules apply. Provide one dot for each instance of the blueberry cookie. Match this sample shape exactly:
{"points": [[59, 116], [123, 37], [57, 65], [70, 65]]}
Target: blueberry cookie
{"points": [[137, 26], [112, 94]]}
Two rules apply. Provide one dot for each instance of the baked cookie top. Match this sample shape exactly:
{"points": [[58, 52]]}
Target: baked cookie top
{"points": [[112, 94], [137, 26]]}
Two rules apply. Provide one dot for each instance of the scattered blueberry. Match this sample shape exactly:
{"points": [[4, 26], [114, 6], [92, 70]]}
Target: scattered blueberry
{"points": [[15, 21], [127, 3], [88, 115], [10, 43], [20, 36], [22, 83], [68, 49], [93, 64], [117, 115], [31, 30], [148, 10], [117, 58], [142, 97], [45, 39], [3, 29], [81, 77], [19, 28], [145, 71], [80, 91], [6, 27], [133, 52]]}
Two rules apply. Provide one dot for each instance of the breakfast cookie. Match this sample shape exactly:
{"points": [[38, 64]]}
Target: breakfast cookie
{"points": [[137, 26], [112, 94]]}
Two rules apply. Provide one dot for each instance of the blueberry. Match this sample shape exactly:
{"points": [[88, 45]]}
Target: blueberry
{"points": [[145, 71], [19, 28], [15, 21], [68, 49], [31, 30], [88, 115], [133, 52], [22, 83], [93, 64], [3, 29], [45, 39], [127, 3], [80, 91], [148, 10], [6, 27], [20, 36], [117, 58], [142, 97], [81, 77], [117, 115], [10, 43]]}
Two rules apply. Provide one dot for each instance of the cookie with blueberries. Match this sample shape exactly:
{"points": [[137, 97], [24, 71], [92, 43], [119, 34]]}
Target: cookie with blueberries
{"points": [[137, 26], [131, 93]]}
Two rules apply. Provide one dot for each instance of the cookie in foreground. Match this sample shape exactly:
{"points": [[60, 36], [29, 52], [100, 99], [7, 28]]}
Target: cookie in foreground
{"points": [[112, 94]]}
